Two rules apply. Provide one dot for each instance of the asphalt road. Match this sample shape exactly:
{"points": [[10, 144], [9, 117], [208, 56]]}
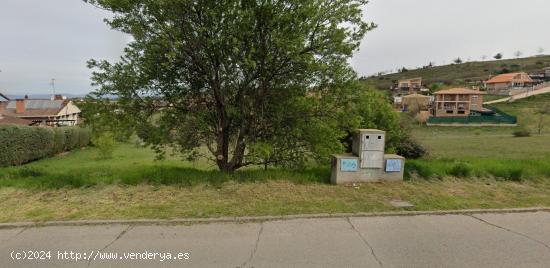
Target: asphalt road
{"points": [[479, 240]]}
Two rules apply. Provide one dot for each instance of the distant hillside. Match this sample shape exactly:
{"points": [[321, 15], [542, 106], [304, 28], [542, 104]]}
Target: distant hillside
{"points": [[463, 74], [526, 111], [44, 96]]}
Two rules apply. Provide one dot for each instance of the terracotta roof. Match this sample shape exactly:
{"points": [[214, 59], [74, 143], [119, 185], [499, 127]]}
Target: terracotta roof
{"points": [[460, 91], [505, 78]]}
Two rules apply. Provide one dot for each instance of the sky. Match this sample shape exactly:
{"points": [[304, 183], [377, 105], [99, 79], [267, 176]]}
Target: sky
{"points": [[43, 40]]}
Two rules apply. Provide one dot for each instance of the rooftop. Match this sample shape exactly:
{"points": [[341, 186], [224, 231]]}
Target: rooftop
{"points": [[3, 97], [36, 107], [505, 78], [416, 95], [465, 91], [11, 120]]}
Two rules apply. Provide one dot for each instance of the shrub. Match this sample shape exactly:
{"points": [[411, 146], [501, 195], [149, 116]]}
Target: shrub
{"points": [[516, 174], [507, 173], [59, 141], [522, 133], [22, 144], [461, 170], [423, 170], [84, 137], [410, 148], [105, 143], [71, 138]]}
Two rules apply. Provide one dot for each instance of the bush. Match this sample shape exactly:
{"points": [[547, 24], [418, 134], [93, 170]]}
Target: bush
{"points": [[22, 144], [71, 138], [461, 170], [508, 173], [59, 141], [410, 148], [522, 133], [423, 170], [105, 143], [84, 137]]}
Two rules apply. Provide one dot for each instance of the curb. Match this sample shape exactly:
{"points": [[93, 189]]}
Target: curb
{"points": [[191, 221]]}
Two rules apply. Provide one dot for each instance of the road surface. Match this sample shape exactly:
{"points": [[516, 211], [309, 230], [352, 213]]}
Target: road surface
{"points": [[477, 240]]}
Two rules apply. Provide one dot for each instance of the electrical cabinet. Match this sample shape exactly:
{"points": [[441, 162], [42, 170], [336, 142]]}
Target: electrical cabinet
{"points": [[369, 144]]}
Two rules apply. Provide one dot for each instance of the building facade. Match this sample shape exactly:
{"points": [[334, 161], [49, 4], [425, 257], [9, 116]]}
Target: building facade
{"points": [[509, 84], [42, 112], [457, 102], [407, 87]]}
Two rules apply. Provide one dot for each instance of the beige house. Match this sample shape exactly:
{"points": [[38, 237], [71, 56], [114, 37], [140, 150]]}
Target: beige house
{"points": [[509, 84], [407, 86], [457, 102], [56, 112]]}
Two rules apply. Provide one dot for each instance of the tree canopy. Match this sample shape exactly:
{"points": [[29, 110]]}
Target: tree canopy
{"points": [[254, 81]]}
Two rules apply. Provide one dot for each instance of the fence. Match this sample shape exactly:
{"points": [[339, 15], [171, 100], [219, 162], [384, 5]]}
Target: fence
{"points": [[498, 118]]}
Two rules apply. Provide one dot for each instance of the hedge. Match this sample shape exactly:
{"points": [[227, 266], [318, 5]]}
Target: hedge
{"points": [[22, 144]]}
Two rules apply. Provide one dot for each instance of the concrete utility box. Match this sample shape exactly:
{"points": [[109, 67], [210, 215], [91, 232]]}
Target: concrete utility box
{"points": [[368, 163], [369, 145]]}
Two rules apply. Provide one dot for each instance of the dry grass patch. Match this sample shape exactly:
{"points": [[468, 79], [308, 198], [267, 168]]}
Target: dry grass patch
{"points": [[260, 199]]}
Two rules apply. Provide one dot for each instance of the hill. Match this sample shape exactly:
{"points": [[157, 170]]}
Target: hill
{"points": [[469, 73], [527, 112]]}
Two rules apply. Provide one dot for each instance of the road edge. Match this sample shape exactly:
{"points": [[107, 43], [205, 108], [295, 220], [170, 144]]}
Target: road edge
{"points": [[191, 221]]}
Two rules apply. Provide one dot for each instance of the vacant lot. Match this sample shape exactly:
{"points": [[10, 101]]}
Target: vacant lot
{"points": [[134, 185], [486, 152], [465, 168], [527, 112]]}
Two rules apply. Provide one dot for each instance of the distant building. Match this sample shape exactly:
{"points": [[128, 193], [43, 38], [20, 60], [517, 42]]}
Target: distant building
{"points": [[407, 87], [509, 84], [458, 102], [541, 76], [54, 112]]}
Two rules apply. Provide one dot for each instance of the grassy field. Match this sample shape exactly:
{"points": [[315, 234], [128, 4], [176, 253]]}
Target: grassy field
{"points": [[134, 185], [469, 152], [465, 168], [462, 74], [525, 110]]}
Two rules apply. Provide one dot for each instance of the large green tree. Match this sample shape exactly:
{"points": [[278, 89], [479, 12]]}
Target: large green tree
{"points": [[255, 81]]}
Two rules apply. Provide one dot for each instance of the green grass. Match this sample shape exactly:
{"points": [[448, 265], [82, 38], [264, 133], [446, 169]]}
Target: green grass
{"points": [[525, 110], [462, 74], [132, 185], [262, 198], [481, 152], [132, 165]]}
